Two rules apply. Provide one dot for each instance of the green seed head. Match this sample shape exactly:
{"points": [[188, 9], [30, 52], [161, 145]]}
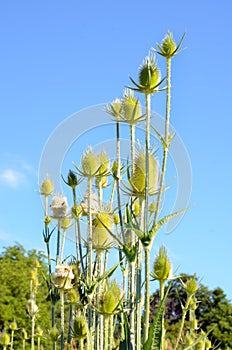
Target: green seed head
{"points": [[116, 219], [114, 108], [139, 175], [13, 326], [136, 208], [152, 207], [47, 187], [168, 45], [54, 334], [162, 265], [89, 163], [24, 334], [191, 286], [72, 296], [131, 108], [65, 223], [101, 236], [39, 331], [110, 298], [5, 339], [79, 328], [188, 340], [104, 163], [149, 74]]}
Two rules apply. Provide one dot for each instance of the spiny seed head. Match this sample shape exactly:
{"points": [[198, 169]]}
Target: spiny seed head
{"points": [[5, 339], [114, 108], [65, 223], [79, 328], [139, 176], [110, 298], [54, 334], [72, 179], [168, 45], [101, 236], [47, 187], [104, 163], [131, 108], [162, 265], [116, 219], [191, 286], [149, 74], [89, 163]]}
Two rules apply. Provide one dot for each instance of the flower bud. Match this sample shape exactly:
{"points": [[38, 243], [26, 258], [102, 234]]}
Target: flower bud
{"points": [[188, 340], [47, 220], [24, 334], [39, 331], [79, 328], [63, 277], [104, 163], [162, 265], [54, 334], [152, 207], [47, 187], [59, 207], [72, 179], [89, 163], [13, 326], [116, 219], [76, 211], [5, 339], [149, 75]]}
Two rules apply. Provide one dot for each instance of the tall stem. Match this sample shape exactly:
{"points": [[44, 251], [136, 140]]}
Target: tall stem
{"points": [[166, 139], [184, 313], [58, 243], [163, 329], [32, 332], [62, 318], [147, 292], [147, 150]]}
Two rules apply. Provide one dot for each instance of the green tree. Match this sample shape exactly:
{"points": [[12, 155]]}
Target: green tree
{"points": [[214, 312], [15, 266]]}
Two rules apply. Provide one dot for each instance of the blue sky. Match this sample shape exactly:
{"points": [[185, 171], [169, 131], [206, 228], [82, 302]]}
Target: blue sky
{"points": [[60, 57]]}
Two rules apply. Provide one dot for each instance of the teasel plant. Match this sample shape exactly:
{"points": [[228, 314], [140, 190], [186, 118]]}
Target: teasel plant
{"points": [[128, 220]]}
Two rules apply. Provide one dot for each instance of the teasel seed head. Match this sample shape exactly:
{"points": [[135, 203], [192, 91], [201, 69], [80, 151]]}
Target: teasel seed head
{"points": [[47, 187], [79, 328], [114, 108], [162, 266], [89, 164], [191, 286], [54, 334], [110, 298], [149, 74], [131, 108], [102, 240]]}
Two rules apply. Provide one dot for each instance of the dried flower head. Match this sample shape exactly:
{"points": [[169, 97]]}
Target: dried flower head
{"points": [[162, 266], [47, 187], [59, 207], [32, 308], [63, 277]]}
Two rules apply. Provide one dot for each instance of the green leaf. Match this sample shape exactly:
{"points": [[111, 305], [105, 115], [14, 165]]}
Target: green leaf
{"points": [[161, 138], [165, 219], [154, 341]]}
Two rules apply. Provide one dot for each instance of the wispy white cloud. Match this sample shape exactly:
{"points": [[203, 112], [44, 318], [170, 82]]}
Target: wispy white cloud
{"points": [[12, 178]]}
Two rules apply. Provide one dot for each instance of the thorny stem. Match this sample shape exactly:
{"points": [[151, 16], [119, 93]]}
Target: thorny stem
{"points": [[147, 292], [58, 243], [161, 298], [70, 321], [62, 318], [90, 251], [166, 139], [62, 245], [184, 313]]}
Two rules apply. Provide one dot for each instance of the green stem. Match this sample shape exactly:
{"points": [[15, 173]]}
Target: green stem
{"points": [[147, 150], [184, 313], [90, 233], [112, 194], [147, 292], [132, 141], [70, 323], [32, 332], [62, 318], [12, 340], [58, 243], [38, 344], [81, 344], [62, 246], [162, 322], [111, 332], [166, 139]]}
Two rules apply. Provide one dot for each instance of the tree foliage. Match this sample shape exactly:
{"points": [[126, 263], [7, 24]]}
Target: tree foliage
{"points": [[214, 312]]}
